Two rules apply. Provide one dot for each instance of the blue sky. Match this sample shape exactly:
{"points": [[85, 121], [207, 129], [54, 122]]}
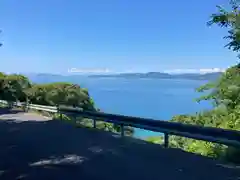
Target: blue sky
{"points": [[121, 35]]}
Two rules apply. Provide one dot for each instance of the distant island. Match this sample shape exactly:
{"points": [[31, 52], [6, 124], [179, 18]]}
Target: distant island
{"points": [[159, 75], [47, 77]]}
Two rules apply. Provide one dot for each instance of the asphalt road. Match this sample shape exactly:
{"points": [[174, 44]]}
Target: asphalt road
{"points": [[32, 147]]}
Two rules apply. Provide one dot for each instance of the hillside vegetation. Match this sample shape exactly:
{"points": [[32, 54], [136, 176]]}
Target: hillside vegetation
{"points": [[224, 94], [16, 87]]}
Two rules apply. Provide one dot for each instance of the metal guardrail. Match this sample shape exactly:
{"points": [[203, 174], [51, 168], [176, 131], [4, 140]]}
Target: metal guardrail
{"points": [[43, 108], [216, 135], [32, 106]]}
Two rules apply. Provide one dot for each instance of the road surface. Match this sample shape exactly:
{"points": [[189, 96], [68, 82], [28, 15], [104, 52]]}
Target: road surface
{"points": [[33, 147]]}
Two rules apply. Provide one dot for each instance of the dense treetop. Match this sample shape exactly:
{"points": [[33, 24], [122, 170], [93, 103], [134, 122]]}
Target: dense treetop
{"points": [[16, 87]]}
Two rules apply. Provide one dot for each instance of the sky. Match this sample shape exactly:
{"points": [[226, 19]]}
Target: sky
{"points": [[55, 36]]}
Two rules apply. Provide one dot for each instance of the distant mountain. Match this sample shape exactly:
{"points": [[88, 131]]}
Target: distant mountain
{"points": [[159, 75], [48, 78]]}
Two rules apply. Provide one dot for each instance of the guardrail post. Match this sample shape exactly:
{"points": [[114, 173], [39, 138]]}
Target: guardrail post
{"points": [[166, 140], [122, 130], [94, 123], [26, 106], [59, 112], [9, 104]]}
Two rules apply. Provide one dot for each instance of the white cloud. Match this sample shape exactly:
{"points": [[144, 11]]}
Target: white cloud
{"points": [[201, 71], [88, 70], [211, 70]]}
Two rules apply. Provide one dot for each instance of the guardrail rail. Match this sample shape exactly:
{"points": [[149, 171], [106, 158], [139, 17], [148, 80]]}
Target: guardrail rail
{"points": [[210, 134]]}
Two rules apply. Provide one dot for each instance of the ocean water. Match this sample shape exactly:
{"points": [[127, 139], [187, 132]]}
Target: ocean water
{"points": [[159, 99]]}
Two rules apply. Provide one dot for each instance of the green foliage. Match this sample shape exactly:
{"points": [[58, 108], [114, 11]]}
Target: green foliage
{"points": [[224, 93], [13, 87], [229, 19], [18, 88], [155, 139], [60, 93]]}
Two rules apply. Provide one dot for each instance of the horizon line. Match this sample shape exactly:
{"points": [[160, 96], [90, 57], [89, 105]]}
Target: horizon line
{"points": [[109, 72]]}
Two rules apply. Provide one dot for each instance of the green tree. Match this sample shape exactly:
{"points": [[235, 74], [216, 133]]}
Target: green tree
{"points": [[229, 19], [12, 87], [224, 93], [16, 87]]}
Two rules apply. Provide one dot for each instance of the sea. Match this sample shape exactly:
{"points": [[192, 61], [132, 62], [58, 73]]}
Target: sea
{"points": [[159, 99]]}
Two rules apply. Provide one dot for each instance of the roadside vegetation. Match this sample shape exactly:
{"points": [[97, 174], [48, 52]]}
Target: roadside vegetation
{"points": [[18, 88], [223, 93]]}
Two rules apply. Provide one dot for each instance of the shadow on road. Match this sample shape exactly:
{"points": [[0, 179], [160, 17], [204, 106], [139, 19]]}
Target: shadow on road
{"points": [[56, 150], [9, 111]]}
